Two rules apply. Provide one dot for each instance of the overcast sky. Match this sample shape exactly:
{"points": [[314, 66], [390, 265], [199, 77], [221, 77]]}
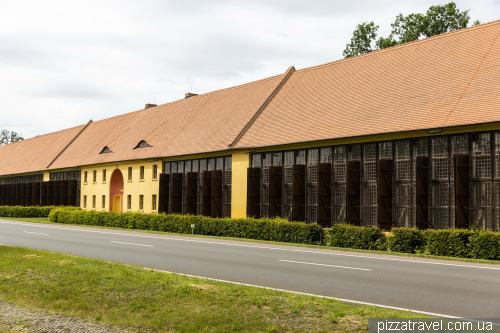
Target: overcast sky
{"points": [[65, 62]]}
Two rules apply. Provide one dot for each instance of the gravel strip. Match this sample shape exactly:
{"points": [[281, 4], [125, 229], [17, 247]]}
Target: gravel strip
{"points": [[23, 319]]}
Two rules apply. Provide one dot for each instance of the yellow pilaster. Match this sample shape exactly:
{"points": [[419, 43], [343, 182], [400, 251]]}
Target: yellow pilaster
{"points": [[240, 164], [46, 176]]}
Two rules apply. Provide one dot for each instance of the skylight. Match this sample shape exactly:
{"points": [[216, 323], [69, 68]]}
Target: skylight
{"points": [[142, 144], [105, 150]]}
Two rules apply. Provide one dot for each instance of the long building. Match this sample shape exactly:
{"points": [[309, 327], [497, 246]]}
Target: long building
{"points": [[405, 136]]}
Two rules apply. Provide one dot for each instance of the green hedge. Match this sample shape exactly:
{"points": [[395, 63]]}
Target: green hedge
{"points": [[349, 236], [32, 211], [407, 240], [279, 230]]}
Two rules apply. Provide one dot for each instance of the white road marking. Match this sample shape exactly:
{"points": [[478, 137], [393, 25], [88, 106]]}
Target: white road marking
{"points": [[311, 263], [36, 233], [254, 246], [131, 244], [307, 294]]}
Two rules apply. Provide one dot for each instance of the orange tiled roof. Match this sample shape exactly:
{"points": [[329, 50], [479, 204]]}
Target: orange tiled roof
{"points": [[447, 80], [34, 154], [203, 123]]}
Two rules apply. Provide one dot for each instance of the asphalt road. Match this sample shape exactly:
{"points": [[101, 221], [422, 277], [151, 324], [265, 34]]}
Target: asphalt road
{"points": [[441, 287]]}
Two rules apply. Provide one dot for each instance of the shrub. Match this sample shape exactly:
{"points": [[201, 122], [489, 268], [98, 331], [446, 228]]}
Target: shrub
{"points": [[349, 236], [450, 242], [407, 240], [32, 211], [279, 230], [486, 245]]}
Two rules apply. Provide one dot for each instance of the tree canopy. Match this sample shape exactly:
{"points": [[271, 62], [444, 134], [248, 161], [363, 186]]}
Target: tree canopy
{"points": [[437, 20], [9, 137]]}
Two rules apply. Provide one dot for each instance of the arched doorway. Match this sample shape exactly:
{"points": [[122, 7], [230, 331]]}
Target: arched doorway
{"points": [[116, 191]]}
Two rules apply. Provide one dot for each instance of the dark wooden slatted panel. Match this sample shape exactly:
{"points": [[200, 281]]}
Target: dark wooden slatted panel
{"points": [[325, 195], [206, 193], [176, 193], [50, 193], [191, 192], [422, 189], [163, 193], [44, 189], [253, 192], [72, 192], [216, 193], [29, 194], [56, 194], [23, 195], [35, 194], [299, 192], [354, 192], [2, 195], [385, 176], [18, 194], [462, 191], [13, 194], [275, 190], [63, 192]]}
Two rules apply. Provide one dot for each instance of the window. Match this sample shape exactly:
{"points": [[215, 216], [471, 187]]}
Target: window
{"points": [[94, 179], [104, 175], [105, 150], [141, 202], [142, 173], [103, 202], [85, 177], [142, 144], [154, 202], [84, 201], [155, 171], [130, 173], [129, 202], [93, 201]]}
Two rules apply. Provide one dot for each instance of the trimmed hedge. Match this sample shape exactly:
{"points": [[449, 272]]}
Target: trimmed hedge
{"points": [[407, 240], [32, 211], [349, 236], [278, 230]]}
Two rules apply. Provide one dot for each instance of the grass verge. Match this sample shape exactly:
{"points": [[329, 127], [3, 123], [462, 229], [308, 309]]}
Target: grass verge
{"points": [[419, 255], [146, 300]]}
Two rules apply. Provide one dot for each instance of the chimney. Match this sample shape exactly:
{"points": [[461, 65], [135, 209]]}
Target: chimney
{"points": [[187, 95], [149, 105]]}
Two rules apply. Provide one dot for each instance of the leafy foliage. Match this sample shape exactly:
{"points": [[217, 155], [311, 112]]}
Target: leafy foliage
{"points": [[278, 230], [437, 20], [9, 137], [349, 236], [407, 240]]}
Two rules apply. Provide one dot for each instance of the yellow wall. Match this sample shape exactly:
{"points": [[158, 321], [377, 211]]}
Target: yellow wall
{"points": [[134, 187], [241, 162]]}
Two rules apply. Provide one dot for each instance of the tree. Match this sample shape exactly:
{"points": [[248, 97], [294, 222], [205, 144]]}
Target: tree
{"points": [[437, 20], [9, 137]]}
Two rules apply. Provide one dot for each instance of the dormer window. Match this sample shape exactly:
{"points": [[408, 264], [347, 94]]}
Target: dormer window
{"points": [[105, 150], [142, 144]]}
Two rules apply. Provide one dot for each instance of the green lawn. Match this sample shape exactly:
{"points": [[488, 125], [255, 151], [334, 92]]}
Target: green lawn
{"points": [[146, 300]]}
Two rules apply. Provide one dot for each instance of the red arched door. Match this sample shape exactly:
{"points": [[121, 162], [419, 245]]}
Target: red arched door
{"points": [[116, 191]]}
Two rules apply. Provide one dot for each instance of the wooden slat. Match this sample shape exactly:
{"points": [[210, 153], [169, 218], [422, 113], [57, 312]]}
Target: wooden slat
{"points": [[23, 195], [2, 195], [13, 194], [216, 193], [422, 189], [72, 192], [35, 194], [385, 190], [176, 193], [325, 195], [29, 194], [44, 188], [462, 170], [253, 192], [206, 193], [56, 193], [275, 190], [191, 192], [299, 192], [163, 193], [63, 192], [353, 189], [18, 194]]}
